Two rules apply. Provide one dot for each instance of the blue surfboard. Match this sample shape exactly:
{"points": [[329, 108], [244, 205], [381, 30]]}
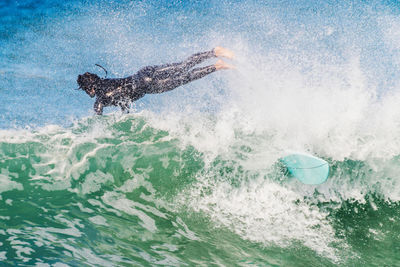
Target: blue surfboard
{"points": [[306, 168]]}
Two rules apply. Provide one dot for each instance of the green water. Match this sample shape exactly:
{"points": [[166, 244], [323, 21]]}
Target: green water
{"points": [[109, 192]]}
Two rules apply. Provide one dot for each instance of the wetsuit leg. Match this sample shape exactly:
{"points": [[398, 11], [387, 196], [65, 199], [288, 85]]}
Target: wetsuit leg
{"points": [[168, 70], [170, 83]]}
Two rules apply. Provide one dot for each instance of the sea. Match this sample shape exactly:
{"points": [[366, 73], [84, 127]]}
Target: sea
{"points": [[192, 177]]}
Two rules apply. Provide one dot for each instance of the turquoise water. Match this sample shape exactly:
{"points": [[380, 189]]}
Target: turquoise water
{"points": [[191, 177]]}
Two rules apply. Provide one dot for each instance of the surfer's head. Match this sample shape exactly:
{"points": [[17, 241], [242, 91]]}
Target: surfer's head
{"points": [[88, 82]]}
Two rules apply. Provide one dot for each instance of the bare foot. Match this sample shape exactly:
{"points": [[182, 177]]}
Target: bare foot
{"points": [[219, 65], [223, 52]]}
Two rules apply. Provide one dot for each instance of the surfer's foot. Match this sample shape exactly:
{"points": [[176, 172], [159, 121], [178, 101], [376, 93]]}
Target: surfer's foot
{"points": [[223, 52], [219, 65]]}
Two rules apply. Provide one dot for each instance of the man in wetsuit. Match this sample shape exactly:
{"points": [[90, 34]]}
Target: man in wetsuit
{"points": [[149, 80]]}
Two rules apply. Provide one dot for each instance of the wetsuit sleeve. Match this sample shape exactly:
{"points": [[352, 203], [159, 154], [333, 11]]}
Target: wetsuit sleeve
{"points": [[98, 107], [124, 105]]}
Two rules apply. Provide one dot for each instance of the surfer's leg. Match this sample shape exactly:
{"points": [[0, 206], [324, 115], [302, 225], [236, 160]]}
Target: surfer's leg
{"points": [[173, 69], [170, 83], [168, 70]]}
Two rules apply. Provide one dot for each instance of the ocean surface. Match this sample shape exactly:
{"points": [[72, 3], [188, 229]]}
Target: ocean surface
{"points": [[190, 177]]}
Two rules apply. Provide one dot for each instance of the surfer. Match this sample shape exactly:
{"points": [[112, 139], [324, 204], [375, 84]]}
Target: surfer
{"points": [[149, 80]]}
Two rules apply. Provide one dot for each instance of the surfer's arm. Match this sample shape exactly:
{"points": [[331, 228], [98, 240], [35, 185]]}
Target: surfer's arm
{"points": [[98, 107], [124, 105]]}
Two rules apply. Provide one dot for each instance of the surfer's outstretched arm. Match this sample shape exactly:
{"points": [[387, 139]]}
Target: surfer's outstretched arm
{"points": [[98, 106]]}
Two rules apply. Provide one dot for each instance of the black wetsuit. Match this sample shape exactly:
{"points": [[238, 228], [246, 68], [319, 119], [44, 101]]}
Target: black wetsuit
{"points": [[150, 80]]}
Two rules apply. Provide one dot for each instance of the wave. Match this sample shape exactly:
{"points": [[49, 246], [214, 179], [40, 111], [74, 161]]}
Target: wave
{"points": [[119, 178]]}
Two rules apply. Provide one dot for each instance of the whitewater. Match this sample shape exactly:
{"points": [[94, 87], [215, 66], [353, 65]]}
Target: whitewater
{"points": [[192, 177]]}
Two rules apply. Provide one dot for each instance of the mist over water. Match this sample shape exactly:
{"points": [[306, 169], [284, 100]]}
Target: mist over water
{"points": [[190, 177]]}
